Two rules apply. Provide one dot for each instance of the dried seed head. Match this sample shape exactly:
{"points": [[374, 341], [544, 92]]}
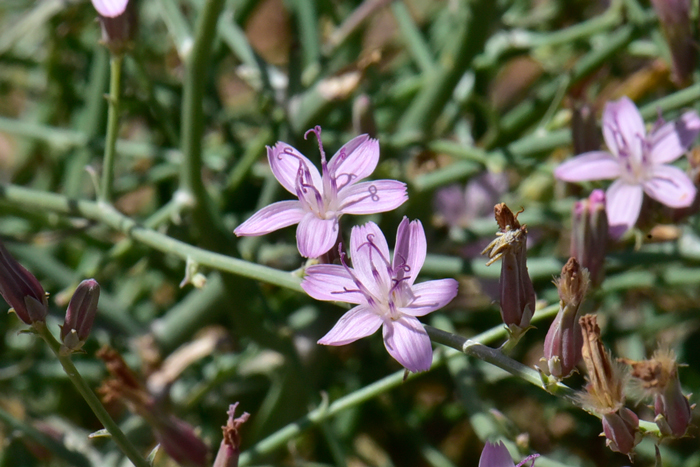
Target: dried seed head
{"points": [[230, 447], [606, 378], [505, 217]]}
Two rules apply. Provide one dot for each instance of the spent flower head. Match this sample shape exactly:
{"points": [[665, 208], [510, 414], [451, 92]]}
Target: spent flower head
{"points": [[324, 197], [384, 292], [638, 161], [516, 289], [497, 455], [21, 290], [658, 377], [230, 447]]}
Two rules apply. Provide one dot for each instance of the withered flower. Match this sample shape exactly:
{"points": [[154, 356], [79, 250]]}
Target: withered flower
{"points": [[658, 376], [605, 391]]}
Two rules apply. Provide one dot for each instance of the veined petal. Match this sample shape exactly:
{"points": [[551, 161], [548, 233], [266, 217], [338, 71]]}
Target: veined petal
{"points": [[495, 455], [410, 250], [623, 128], [370, 258], [110, 8], [316, 236], [594, 165], [331, 282], [270, 218], [431, 296], [672, 140], [285, 163], [357, 323], [356, 160], [407, 341], [622, 205], [372, 197], [671, 186]]}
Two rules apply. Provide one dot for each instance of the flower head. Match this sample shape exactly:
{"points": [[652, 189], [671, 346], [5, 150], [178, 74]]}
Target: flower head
{"points": [[638, 161], [324, 197], [384, 292], [497, 455]]}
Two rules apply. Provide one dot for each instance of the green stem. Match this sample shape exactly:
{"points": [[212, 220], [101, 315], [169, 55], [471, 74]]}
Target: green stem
{"points": [[115, 64], [192, 127], [32, 199], [97, 408]]}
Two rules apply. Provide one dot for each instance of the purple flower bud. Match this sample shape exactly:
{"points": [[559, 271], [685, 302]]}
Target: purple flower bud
{"points": [[497, 455], [230, 447], [621, 429], [584, 129], [516, 289], [589, 236], [562, 346], [21, 290], [119, 21], [675, 19], [80, 315], [179, 441]]}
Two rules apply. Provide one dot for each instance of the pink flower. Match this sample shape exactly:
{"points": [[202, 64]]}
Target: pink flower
{"points": [[384, 292], [497, 455], [324, 197], [639, 162], [110, 8]]}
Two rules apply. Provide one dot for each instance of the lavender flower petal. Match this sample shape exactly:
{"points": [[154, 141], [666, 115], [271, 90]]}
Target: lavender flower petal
{"points": [[358, 158], [595, 165], [672, 140], [357, 323], [271, 218], [623, 204], [623, 129], [407, 341], [495, 455], [316, 236], [670, 186], [110, 8], [329, 281], [286, 162], [410, 251], [372, 197], [431, 296], [370, 256]]}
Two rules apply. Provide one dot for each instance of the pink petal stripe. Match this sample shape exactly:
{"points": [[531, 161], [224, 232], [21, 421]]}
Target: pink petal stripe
{"points": [[372, 197], [285, 166], [623, 117], [623, 203], [495, 455], [271, 218], [410, 250], [594, 165], [357, 323], [316, 236], [358, 158], [431, 296], [368, 261], [329, 282], [406, 340], [671, 186], [110, 8], [672, 140]]}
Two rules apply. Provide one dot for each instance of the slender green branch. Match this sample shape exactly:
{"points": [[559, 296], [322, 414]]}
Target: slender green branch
{"points": [[31, 199], [97, 408], [112, 128]]}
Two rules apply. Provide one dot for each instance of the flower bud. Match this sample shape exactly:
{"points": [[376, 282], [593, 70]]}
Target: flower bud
{"points": [[363, 116], [675, 19], [589, 236], [658, 376], [230, 447], [562, 346], [178, 439], [516, 289], [21, 290], [584, 129], [119, 23], [621, 430], [80, 315]]}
